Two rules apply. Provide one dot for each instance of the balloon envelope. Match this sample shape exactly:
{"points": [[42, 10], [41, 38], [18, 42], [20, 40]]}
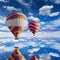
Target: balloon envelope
{"points": [[16, 23], [34, 26], [16, 55], [34, 58]]}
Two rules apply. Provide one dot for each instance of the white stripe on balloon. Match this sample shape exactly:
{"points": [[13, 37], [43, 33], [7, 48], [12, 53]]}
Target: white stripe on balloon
{"points": [[17, 23]]}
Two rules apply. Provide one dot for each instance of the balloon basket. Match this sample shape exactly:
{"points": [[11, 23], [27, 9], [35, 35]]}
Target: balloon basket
{"points": [[16, 38]]}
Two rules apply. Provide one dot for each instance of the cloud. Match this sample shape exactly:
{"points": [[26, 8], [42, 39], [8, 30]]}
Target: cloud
{"points": [[30, 13], [42, 34], [7, 37], [4, 0], [44, 57], [2, 19], [23, 3], [53, 1], [51, 26], [47, 56], [10, 8], [33, 18], [34, 50], [54, 14], [42, 23], [56, 46], [46, 11], [56, 22], [57, 1], [5, 49], [54, 54]]}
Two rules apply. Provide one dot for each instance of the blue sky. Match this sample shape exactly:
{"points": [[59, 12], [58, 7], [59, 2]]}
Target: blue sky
{"points": [[47, 12]]}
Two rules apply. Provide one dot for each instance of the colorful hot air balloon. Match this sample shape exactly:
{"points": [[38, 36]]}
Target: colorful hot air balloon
{"points": [[34, 26], [16, 23], [16, 55], [34, 58]]}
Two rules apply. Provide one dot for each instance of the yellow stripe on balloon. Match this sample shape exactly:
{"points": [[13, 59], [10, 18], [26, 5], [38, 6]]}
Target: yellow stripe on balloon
{"points": [[19, 19], [23, 16]]}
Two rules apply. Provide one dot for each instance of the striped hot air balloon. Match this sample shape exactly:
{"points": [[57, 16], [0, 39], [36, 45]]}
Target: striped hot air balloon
{"points": [[34, 58], [16, 23], [34, 26], [16, 55]]}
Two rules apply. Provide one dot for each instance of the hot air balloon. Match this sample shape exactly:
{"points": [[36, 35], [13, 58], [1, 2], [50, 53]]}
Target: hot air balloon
{"points": [[16, 55], [16, 22], [34, 26], [34, 58]]}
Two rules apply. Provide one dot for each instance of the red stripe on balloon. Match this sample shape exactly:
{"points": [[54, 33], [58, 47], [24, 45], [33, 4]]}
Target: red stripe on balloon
{"points": [[14, 16], [35, 23], [16, 28], [35, 28]]}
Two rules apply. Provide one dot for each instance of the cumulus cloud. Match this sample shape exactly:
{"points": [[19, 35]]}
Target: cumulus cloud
{"points": [[42, 23], [45, 57], [54, 54], [51, 26], [34, 50], [56, 46], [33, 18], [23, 3], [10, 8], [4, 0], [54, 14], [30, 13], [53, 1], [5, 49], [56, 22], [2, 19], [42, 34], [46, 11], [57, 1]]}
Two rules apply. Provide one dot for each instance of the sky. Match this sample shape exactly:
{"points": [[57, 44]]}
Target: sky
{"points": [[46, 12]]}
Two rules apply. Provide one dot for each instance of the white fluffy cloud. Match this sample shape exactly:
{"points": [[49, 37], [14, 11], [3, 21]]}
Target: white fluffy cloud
{"points": [[57, 1], [23, 3], [2, 19], [30, 13], [53, 1], [33, 50], [42, 34], [54, 14], [4, 0], [33, 18], [10, 8], [42, 23], [56, 22], [52, 24], [46, 11], [54, 54], [5, 49], [45, 57], [56, 46]]}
